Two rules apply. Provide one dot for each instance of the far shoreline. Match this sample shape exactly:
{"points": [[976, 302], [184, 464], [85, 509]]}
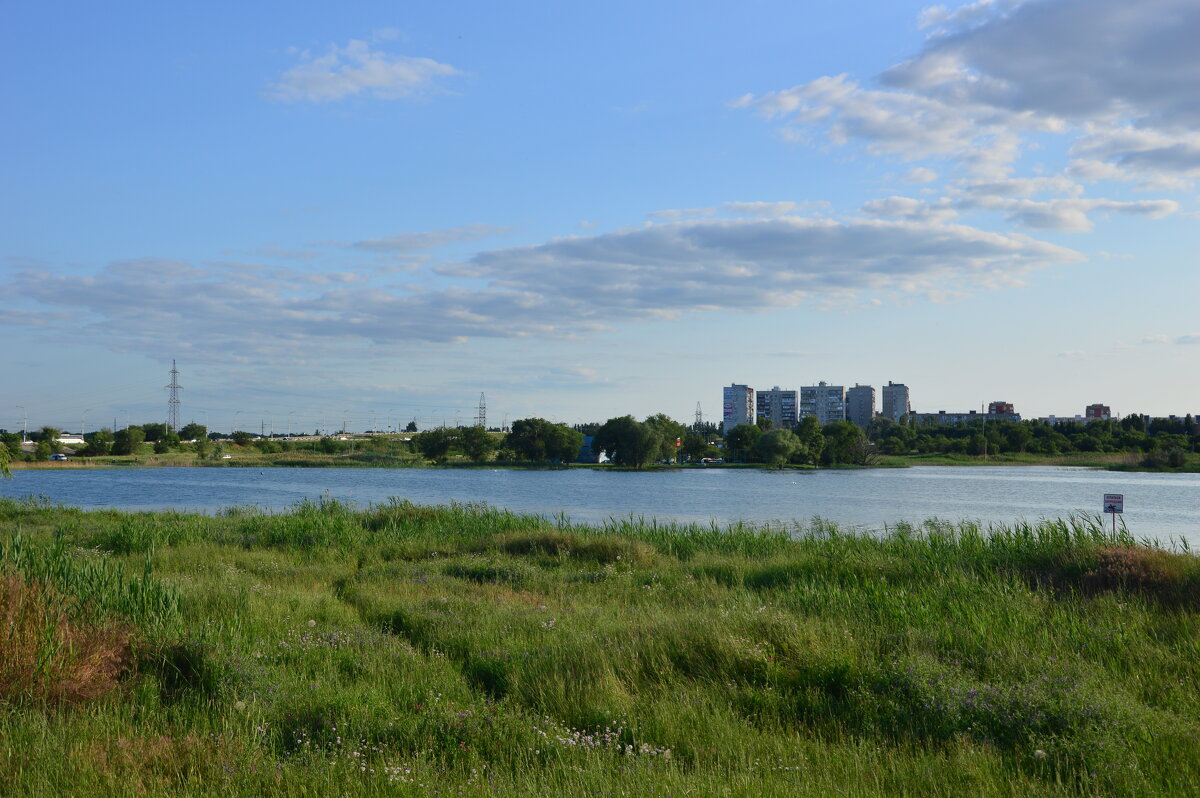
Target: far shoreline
{"points": [[1120, 462]]}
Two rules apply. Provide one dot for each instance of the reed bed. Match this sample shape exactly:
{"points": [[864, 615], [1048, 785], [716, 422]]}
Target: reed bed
{"points": [[468, 650]]}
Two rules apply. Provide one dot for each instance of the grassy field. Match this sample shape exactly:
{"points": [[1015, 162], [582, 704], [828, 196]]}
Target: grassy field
{"points": [[406, 650]]}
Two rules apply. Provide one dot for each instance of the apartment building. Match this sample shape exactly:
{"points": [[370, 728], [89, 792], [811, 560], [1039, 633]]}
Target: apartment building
{"points": [[896, 402], [737, 406], [778, 405], [860, 404], [826, 402]]}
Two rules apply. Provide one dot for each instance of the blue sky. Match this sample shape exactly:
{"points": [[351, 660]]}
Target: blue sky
{"points": [[381, 210]]}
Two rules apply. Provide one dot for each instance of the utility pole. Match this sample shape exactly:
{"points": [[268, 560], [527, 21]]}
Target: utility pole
{"points": [[173, 402], [24, 423], [82, 417], [481, 416]]}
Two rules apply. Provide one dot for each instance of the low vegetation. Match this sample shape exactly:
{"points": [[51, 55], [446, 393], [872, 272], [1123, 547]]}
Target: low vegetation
{"points": [[465, 650]]}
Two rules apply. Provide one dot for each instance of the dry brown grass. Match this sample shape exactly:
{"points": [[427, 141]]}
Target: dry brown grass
{"points": [[46, 655], [148, 764], [1156, 574]]}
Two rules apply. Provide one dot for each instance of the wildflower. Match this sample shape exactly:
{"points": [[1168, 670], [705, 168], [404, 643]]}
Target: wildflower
{"points": [[1039, 754], [311, 622], [239, 706]]}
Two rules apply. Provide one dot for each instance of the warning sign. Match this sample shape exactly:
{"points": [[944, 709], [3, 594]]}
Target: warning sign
{"points": [[1114, 502]]}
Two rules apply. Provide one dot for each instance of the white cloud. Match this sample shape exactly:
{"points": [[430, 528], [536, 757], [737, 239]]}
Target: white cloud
{"points": [[889, 122], [908, 208], [1155, 339], [1085, 60], [757, 264], [763, 209], [1064, 215], [1118, 78], [431, 239], [1190, 338], [676, 214], [353, 69], [1024, 187], [563, 287], [920, 175]]}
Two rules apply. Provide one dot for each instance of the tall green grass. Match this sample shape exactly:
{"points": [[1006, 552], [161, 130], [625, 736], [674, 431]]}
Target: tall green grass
{"points": [[469, 650]]}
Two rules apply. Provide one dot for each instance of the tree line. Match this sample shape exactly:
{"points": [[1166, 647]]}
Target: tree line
{"points": [[630, 443]]}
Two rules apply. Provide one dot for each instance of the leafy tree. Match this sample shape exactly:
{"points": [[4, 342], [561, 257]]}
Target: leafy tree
{"points": [[193, 431], [628, 441], [777, 446], [155, 432], [1019, 436], [843, 443], [695, 446], [537, 439], [42, 451], [812, 439], [476, 442], [128, 440], [669, 431], [12, 442], [99, 443], [742, 441], [434, 444], [202, 447], [242, 438], [328, 445], [50, 435], [5, 458], [764, 423], [411, 426]]}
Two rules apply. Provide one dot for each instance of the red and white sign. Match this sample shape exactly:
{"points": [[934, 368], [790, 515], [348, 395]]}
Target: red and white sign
{"points": [[1114, 502]]}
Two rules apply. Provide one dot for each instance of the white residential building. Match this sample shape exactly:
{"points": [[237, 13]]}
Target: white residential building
{"points": [[860, 404], [896, 403], [738, 406], [778, 405], [826, 402]]}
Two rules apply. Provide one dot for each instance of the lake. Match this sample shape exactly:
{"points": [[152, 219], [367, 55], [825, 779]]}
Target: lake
{"points": [[1160, 506]]}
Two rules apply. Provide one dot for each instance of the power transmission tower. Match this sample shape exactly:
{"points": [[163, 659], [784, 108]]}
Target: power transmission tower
{"points": [[173, 402], [481, 416], [699, 418]]}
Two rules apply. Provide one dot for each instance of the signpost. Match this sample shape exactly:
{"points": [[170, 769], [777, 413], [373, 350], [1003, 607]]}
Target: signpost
{"points": [[1114, 503]]}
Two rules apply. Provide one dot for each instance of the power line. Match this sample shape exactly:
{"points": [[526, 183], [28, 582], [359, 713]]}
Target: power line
{"points": [[481, 416], [173, 402]]}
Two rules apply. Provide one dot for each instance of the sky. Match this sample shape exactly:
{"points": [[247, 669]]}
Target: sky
{"points": [[373, 212]]}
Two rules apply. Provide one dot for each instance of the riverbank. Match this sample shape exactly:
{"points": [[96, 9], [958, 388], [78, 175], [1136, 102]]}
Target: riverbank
{"points": [[252, 458], [473, 651]]}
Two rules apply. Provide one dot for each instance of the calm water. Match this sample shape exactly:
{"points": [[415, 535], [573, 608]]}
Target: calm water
{"points": [[1157, 505]]}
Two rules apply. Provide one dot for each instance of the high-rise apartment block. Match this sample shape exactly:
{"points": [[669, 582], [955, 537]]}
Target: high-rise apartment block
{"points": [[1097, 412], [1001, 409], [860, 404], [738, 406], [778, 405], [895, 401], [826, 402]]}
